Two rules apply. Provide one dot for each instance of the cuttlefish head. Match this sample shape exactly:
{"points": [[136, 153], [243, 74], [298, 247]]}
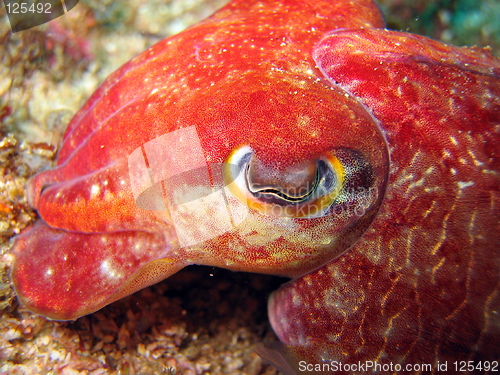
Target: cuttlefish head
{"points": [[301, 168]]}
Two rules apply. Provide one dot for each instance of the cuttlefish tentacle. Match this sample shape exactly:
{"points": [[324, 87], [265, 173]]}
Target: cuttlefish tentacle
{"points": [[101, 271]]}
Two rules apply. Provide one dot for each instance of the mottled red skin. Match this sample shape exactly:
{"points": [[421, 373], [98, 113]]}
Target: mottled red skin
{"points": [[420, 286]]}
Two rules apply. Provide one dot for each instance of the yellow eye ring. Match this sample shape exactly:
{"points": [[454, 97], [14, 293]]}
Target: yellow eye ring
{"points": [[327, 185]]}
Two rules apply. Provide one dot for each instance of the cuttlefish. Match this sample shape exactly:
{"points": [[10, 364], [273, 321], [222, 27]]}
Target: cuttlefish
{"points": [[292, 138]]}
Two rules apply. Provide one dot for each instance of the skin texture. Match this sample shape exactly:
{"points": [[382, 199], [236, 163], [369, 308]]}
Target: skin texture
{"points": [[421, 286], [156, 161]]}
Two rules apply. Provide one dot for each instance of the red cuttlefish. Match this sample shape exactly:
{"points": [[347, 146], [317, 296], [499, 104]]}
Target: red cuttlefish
{"points": [[292, 138]]}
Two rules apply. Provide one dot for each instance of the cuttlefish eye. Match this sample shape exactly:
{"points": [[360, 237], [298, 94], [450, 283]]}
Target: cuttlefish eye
{"points": [[308, 189]]}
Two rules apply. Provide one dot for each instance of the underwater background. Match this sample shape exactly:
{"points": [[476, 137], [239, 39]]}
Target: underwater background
{"points": [[202, 320]]}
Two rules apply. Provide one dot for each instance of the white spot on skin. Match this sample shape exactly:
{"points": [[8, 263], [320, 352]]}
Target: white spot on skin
{"points": [[476, 162], [464, 184], [418, 183], [109, 271], [94, 190]]}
